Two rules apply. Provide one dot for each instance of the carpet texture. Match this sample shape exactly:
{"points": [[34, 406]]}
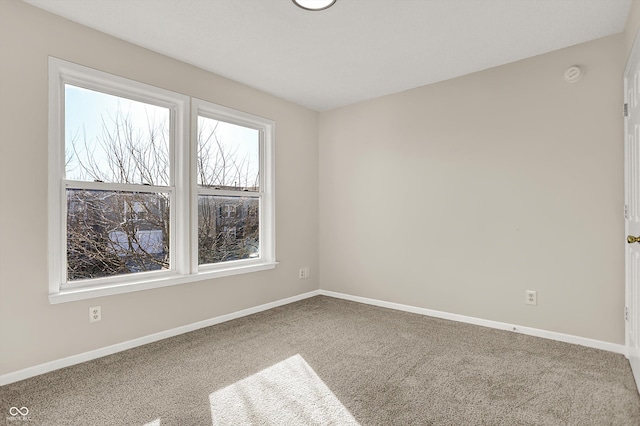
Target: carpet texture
{"points": [[287, 393], [329, 361]]}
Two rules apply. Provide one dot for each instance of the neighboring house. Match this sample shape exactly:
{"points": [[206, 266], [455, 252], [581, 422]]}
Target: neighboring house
{"points": [[128, 232], [227, 228], [143, 225]]}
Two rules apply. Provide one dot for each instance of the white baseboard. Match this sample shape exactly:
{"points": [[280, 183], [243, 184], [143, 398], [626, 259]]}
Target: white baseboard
{"points": [[26, 373], [98, 353], [634, 360], [567, 338]]}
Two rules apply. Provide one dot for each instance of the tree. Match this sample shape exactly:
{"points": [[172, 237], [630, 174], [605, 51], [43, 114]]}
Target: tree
{"points": [[115, 232], [112, 232], [228, 227]]}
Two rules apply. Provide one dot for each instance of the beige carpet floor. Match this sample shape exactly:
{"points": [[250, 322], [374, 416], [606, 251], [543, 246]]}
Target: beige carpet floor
{"points": [[330, 361]]}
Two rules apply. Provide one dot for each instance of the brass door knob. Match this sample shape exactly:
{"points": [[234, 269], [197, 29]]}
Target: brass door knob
{"points": [[631, 239]]}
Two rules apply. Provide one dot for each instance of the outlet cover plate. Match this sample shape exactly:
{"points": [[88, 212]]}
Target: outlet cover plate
{"points": [[95, 314], [531, 297]]}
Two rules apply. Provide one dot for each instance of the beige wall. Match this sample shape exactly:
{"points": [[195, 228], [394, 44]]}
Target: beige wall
{"points": [[31, 330], [633, 23], [459, 196]]}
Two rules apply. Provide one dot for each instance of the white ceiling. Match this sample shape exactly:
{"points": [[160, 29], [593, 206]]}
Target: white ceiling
{"points": [[357, 49]]}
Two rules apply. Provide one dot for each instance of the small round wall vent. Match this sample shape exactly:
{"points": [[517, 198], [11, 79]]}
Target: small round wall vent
{"points": [[573, 74]]}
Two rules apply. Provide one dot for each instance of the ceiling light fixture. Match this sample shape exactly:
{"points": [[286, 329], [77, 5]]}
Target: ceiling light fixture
{"points": [[314, 4]]}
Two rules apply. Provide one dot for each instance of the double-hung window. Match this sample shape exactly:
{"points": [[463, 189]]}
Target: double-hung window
{"points": [[143, 194], [232, 202]]}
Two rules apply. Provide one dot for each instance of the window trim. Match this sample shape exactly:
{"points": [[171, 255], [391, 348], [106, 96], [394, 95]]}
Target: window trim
{"points": [[182, 187], [265, 195]]}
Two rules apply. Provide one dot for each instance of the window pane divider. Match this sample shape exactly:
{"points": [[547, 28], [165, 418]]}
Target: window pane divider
{"points": [[229, 193], [112, 186]]}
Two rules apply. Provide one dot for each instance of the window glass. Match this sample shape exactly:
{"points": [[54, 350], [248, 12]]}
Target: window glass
{"points": [[115, 232], [228, 228], [114, 139], [228, 155]]}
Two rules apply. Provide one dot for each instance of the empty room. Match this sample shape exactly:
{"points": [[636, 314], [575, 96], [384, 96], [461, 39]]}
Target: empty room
{"points": [[320, 212]]}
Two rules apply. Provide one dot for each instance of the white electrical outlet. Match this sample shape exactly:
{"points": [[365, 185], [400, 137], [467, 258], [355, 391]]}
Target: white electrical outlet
{"points": [[303, 273], [531, 297], [95, 314]]}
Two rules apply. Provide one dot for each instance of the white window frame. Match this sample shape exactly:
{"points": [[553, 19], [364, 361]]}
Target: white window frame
{"points": [[182, 188], [228, 210], [265, 195]]}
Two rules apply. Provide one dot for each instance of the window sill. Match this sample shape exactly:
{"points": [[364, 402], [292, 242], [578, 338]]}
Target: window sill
{"points": [[82, 293]]}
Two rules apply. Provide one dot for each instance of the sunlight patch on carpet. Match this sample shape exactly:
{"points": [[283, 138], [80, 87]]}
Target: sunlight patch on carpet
{"points": [[289, 392]]}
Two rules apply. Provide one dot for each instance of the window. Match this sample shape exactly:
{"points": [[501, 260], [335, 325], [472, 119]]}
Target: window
{"points": [[135, 203], [230, 186], [117, 178]]}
